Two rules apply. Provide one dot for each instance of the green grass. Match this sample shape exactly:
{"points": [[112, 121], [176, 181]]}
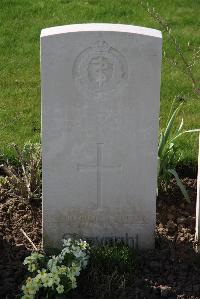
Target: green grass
{"points": [[111, 272], [20, 24], [113, 257]]}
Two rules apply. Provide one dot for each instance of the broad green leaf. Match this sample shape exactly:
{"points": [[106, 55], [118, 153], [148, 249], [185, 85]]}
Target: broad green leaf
{"points": [[168, 129]]}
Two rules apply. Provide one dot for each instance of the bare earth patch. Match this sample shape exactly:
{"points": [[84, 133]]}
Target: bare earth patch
{"points": [[172, 270]]}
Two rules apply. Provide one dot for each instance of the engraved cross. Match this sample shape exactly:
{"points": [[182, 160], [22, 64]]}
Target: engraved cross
{"points": [[99, 167]]}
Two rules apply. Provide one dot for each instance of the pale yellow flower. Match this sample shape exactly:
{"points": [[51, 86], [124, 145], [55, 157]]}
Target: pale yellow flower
{"points": [[29, 289], [62, 270], [60, 289], [42, 274], [47, 281]]}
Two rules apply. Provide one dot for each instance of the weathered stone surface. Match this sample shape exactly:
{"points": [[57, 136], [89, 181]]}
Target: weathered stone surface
{"points": [[100, 107]]}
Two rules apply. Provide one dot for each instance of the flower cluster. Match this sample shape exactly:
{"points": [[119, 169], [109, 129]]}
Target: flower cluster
{"points": [[57, 274], [33, 261]]}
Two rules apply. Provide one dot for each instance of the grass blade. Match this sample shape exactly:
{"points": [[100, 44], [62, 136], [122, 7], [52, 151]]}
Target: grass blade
{"points": [[180, 184], [180, 127], [187, 131]]}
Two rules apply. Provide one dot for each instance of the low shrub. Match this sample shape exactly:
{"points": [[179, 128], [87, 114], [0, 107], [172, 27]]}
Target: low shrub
{"points": [[23, 180], [52, 277]]}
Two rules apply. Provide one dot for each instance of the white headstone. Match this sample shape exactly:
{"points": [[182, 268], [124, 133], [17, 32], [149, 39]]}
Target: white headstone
{"points": [[100, 107], [197, 237]]}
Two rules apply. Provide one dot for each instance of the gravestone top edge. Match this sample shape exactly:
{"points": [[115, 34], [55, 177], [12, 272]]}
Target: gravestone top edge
{"points": [[103, 27]]}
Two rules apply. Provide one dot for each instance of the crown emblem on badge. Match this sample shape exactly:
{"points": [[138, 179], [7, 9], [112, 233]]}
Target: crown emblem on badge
{"points": [[101, 46], [100, 68]]}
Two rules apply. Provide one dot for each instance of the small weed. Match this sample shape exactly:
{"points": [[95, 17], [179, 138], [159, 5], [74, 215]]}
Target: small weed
{"points": [[110, 273], [110, 258], [23, 181], [169, 153]]}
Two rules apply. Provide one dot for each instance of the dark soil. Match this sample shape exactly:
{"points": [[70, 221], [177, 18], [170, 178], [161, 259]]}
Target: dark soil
{"points": [[14, 246], [172, 270]]}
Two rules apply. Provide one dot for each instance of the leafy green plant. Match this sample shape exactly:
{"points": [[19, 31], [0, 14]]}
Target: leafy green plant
{"points": [[52, 277], [168, 153], [24, 180]]}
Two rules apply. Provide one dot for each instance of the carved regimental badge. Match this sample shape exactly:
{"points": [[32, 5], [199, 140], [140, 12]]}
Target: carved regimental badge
{"points": [[100, 68]]}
